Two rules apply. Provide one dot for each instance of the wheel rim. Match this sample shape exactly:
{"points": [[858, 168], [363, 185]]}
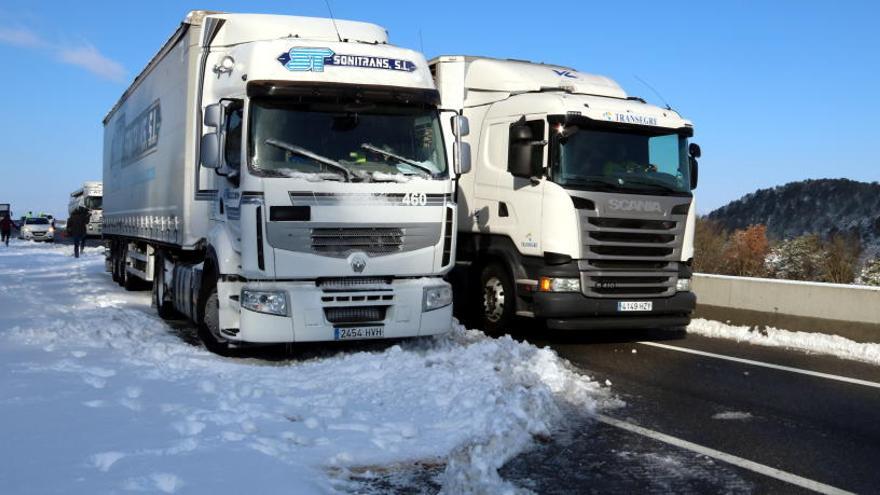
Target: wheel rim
{"points": [[212, 317], [493, 299]]}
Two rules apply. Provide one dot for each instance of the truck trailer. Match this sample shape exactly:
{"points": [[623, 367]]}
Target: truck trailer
{"points": [[90, 197], [579, 210], [283, 179]]}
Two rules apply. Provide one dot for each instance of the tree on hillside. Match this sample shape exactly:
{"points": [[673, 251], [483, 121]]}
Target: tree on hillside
{"points": [[709, 241], [870, 274], [746, 250], [841, 258], [799, 258]]}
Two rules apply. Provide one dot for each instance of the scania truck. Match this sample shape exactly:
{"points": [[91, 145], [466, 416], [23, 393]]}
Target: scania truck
{"points": [[283, 179], [90, 197], [579, 209]]}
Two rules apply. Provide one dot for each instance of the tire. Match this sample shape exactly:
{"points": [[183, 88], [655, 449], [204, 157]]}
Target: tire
{"points": [[497, 299], [164, 308], [209, 326]]}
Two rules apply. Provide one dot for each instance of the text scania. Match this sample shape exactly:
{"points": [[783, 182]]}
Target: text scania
{"points": [[634, 205]]}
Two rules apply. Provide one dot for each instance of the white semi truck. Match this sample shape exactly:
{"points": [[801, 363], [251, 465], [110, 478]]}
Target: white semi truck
{"points": [[284, 179], [90, 197], [579, 208]]}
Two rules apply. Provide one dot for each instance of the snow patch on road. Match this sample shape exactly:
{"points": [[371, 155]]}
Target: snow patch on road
{"points": [[818, 343], [733, 415], [115, 399]]}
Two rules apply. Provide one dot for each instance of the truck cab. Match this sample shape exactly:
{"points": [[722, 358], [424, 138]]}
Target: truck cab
{"points": [[579, 209], [91, 197]]}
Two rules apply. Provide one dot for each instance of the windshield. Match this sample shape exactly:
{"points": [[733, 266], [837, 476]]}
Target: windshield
{"points": [[93, 202], [625, 159], [357, 140], [37, 221]]}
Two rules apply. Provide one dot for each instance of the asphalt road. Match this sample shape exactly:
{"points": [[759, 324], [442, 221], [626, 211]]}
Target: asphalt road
{"points": [[785, 432]]}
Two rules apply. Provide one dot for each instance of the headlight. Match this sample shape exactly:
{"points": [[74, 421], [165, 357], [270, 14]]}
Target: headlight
{"points": [[51, 230], [683, 285], [436, 297], [548, 284], [272, 302]]}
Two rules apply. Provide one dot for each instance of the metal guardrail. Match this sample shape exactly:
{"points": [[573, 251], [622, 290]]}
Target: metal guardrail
{"points": [[852, 311]]}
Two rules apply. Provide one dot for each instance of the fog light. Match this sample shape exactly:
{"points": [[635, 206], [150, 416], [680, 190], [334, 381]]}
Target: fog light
{"points": [[548, 284], [683, 285], [436, 297], [272, 302]]}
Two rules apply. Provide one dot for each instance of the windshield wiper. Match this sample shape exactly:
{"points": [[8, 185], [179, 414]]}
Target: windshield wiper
{"points": [[658, 185], [314, 156], [402, 159]]}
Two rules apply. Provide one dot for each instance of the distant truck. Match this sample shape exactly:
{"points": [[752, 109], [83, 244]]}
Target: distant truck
{"points": [[579, 210], [90, 197], [284, 179], [5, 210]]}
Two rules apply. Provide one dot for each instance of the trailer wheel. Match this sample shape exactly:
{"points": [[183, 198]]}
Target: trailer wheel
{"points": [[163, 307], [209, 326], [498, 299], [114, 261]]}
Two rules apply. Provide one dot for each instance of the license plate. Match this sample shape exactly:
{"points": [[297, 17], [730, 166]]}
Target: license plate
{"points": [[356, 333], [635, 305]]}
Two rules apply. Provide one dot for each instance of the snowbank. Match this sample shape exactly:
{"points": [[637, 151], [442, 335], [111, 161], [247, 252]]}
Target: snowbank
{"points": [[819, 343], [99, 395]]}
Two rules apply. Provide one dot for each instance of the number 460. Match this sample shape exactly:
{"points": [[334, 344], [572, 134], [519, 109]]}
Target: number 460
{"points": [[415, 199]]}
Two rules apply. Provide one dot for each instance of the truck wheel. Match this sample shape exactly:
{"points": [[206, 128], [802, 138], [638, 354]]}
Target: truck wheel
{"points": [[498, 301], [209, 327], [114, 261], [164, 308]]}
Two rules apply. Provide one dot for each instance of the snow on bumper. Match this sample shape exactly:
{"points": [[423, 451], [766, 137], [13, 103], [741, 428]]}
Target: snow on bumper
{"points": [[311, 309]]}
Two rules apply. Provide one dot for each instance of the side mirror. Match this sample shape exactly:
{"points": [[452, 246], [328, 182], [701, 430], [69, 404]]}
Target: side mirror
{"points": [[694, 150], [460, 126], [695, 171], [463, 158], [519, 154], [209, 150], [213, 115]]}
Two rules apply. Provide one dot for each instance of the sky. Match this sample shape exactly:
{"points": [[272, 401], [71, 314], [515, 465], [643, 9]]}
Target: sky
{"points": [[778, 91]]}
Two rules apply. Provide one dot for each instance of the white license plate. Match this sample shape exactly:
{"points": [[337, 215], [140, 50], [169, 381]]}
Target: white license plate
{"points": [[635, 305], [356, 333]]}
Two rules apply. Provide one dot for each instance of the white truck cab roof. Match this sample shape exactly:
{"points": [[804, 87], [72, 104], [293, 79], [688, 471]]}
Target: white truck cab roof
{"points": [[466, 81]]}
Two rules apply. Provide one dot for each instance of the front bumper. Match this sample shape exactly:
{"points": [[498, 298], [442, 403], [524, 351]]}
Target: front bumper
{"points": [[574, 311], [307, 319], [93, 230], [37, 236]]}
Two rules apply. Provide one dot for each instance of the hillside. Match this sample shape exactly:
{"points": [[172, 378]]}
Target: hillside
{"points": [[824, 206]]}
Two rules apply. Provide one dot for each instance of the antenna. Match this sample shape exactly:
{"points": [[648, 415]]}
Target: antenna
{"points": [[334, 20], [654, 90]]}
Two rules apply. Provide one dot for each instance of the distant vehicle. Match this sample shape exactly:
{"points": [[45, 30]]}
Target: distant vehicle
{"points": [[91, 197], [37, 229], [5, 209]]}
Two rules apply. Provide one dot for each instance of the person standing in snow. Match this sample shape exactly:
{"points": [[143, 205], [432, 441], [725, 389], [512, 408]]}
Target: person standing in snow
{"points": [[76, 228], [6, 228]]}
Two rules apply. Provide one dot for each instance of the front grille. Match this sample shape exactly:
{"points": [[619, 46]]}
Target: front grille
{"points": [[355, 284], [342, 241], [632, 223], [355, 314], [630, 257]]}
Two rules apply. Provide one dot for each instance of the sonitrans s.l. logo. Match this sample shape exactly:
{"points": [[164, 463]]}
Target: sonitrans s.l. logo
{"points": [[634, 205], [314, 59]]}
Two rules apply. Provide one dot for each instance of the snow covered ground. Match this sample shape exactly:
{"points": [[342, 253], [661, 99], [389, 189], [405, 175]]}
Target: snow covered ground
{"points": [[819, 343], [98, 395]]}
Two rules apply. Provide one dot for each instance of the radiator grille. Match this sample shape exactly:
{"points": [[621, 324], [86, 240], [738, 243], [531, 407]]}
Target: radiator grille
{"points": [[355, 314], [630, 257], [342, 241]]}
